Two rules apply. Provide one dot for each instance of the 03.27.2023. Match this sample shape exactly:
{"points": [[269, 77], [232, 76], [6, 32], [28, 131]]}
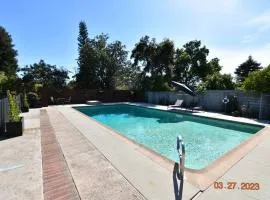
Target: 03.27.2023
{"points": [[236, 186]]}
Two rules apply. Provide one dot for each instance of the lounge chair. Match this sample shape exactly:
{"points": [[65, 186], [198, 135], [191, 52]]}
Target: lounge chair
{"points": [[177, 104]]}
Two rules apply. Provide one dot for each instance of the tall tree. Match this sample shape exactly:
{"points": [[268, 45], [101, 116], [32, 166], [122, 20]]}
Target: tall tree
{"points": [[156, 59], [191, 64], [128, 78], [83, 35], [117, 60], [3, 78], [214, 65], [99, 61], [242, 71], [110, 58], [48, 76], [86, 76], [87, 73], [8, 61]]}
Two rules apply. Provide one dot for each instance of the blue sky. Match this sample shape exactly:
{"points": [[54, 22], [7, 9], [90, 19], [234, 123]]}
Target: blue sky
{"points": [[231, 29]]}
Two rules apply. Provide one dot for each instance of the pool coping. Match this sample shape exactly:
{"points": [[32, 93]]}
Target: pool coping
{"points": [[201, 178]]}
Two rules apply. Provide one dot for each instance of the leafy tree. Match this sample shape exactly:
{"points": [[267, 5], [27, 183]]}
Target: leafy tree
{"points": [[99, 62], [258, 81], [214, 66], [156, 60], [111, 58], [3, 78], [182, 69], [250, 65], [114, 58], [128, 78], [8, 61], [72, 84], [228, 83], [191, 64], [143, 54], [49, 76], [217, 81]]}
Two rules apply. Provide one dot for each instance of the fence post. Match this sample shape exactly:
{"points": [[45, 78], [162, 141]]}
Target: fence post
{"points": [[260, 112]]}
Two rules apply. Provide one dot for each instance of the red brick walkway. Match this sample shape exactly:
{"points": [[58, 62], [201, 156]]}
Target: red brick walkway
{"points": [[57, 180]]}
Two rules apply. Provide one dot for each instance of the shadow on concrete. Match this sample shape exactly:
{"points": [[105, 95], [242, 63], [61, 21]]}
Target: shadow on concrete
{"points": [[7, 138], [3, 136], [178, 183]]}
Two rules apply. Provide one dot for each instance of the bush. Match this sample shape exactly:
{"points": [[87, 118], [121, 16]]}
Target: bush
{"points": [[258, 81], [14, 111], [32, 99], [25, 103], [37, 87]]}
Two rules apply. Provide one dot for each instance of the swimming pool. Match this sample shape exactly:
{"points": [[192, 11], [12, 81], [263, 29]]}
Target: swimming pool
{"points": [[206, 139]]}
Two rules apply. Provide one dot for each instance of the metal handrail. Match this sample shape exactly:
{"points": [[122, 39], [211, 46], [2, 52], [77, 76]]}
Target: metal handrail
{"points": [[181, 153]]}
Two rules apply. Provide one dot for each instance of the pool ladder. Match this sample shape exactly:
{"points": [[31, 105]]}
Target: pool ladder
{"points": [[181, 153]]}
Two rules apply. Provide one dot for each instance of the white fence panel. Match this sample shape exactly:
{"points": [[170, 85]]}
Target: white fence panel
{"points": [[258, 105]]}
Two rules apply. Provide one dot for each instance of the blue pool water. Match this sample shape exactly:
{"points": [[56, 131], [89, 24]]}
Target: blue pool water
{"points": [[205, 139]]}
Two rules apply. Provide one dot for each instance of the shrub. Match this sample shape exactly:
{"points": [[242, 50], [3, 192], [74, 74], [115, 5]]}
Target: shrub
{"points": [[25, 103], [258, 81], [37, 87], [32, 99], [13, 108]]}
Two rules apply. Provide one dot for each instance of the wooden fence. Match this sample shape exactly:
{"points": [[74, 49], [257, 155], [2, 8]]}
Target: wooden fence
{"points": [[4, 110], [82, 95]]}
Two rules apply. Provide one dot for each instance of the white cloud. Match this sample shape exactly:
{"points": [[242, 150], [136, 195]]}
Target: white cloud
{"points": [[230, 59], [260, 24], [267, 46], [261, 21], [213, 6], [248, 39]]}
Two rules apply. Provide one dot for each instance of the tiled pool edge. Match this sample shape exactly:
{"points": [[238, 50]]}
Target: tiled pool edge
{"points": [[202, 178], [205, 177], [183, 111], [194, 113]]}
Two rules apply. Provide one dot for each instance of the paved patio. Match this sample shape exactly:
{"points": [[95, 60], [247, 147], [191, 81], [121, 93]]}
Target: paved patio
{"points": [[20, 163], [97, 163]]}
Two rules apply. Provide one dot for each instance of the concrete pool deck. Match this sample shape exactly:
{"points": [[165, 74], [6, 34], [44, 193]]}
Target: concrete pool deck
{"points": [[103, 165], [21, 162], [146, 175]]}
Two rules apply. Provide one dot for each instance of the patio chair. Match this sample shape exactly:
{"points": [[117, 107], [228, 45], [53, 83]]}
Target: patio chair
{"points": [[67, 100], [52, 101], [177, 104]]}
